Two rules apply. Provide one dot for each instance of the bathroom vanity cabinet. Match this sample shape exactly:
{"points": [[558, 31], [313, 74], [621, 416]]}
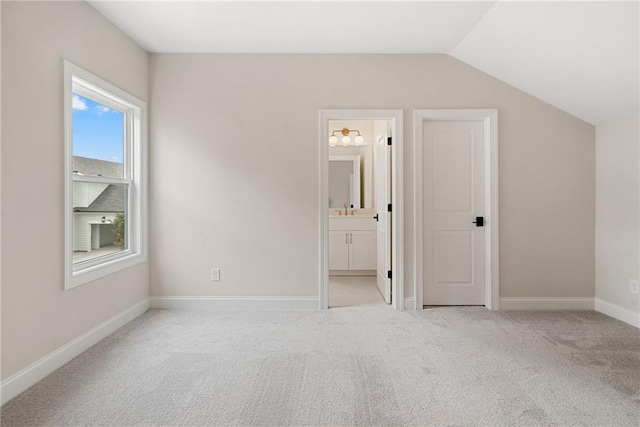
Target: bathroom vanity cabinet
{"points": [[352, 243]]}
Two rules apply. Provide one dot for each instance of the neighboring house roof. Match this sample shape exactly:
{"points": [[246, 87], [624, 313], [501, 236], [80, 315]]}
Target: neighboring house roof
{"points": [[110, 200], [95, 167]]}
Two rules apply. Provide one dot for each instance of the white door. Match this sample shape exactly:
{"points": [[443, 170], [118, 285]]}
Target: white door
{"points": [[362, 250], [383, 198], [338, 250], [453, 197]]}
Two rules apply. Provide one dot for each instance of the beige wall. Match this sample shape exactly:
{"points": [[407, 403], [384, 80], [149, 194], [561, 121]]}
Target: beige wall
{"points": [[235, 155], [617, 212], [37, 315]]}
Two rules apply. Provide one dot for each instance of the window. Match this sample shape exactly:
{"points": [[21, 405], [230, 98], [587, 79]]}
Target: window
{"points": [[105, 188]]}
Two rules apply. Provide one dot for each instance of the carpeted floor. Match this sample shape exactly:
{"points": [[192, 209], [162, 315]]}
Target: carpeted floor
{"points": [[347, 366]]}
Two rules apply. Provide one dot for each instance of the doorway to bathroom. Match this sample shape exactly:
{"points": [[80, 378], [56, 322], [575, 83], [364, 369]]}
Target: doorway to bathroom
{"points": [[361, 208]]}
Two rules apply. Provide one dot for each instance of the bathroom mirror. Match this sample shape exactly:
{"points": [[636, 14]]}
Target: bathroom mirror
{"points": [[369, 129], [344, 182]]}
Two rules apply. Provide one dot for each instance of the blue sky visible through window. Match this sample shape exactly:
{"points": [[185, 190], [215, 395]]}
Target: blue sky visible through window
{"points": [[98, 131]]}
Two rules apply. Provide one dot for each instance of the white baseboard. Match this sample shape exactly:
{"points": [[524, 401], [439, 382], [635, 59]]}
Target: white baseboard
{"points": [[561, 303], [410, 303], [25, 378], [618, 312], [236, 303]]}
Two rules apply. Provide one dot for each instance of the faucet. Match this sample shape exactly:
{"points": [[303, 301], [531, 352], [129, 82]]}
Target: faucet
{"points": [[346, 209]]}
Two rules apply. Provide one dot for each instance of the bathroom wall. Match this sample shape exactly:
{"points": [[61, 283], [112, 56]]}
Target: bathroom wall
{"points": [[235, 170]]}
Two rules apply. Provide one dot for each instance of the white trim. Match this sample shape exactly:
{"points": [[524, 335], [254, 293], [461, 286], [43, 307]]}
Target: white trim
{"points": [[108, 265], [552, 303], [25, 378], [490, 119], [410, 302], [97, 94], [618, 312], [136, 177], [100, 180], [395, 117], [236, 303]]}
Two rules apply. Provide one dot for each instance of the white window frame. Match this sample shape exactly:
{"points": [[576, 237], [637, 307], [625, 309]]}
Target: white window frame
{"points": [[86, 84]]}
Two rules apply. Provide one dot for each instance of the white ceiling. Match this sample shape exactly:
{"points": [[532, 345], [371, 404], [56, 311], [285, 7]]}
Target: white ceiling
{"points": [[581, 57], [294, 27]]}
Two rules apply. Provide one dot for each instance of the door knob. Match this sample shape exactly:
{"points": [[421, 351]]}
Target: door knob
{"points": [[376, 218], [479, 222]]}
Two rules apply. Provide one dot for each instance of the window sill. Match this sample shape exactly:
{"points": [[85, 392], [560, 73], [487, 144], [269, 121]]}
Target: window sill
{"points": [[89, 274]]}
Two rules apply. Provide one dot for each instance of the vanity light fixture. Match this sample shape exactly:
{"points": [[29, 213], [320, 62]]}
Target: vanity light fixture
{"points": [[346, 137]]}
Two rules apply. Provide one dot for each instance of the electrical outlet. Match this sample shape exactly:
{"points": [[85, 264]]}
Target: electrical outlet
{"points": [[634, 286], [215, 274]]}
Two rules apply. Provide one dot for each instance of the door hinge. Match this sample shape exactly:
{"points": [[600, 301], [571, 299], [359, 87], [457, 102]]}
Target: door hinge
{"points": [[388, 140], [389, 207], [389, 274]]}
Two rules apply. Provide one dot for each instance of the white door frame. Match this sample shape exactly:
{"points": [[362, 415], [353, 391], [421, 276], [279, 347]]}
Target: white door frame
{"points": [[491, 253], [395, 117]]}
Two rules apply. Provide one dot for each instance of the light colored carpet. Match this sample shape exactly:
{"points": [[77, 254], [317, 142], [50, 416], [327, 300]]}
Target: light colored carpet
{"points": [[347, 366]]}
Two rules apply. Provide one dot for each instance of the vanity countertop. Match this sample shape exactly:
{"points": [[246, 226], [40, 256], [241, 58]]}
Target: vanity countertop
{"points": [[350, 216]]}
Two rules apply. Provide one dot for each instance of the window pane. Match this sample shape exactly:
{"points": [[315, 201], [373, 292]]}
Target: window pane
{"points": [[98, 139], [99, 220]]}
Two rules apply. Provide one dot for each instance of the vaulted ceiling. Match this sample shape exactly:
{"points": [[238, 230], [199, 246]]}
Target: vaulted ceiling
{"points": [[582, 57]]}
